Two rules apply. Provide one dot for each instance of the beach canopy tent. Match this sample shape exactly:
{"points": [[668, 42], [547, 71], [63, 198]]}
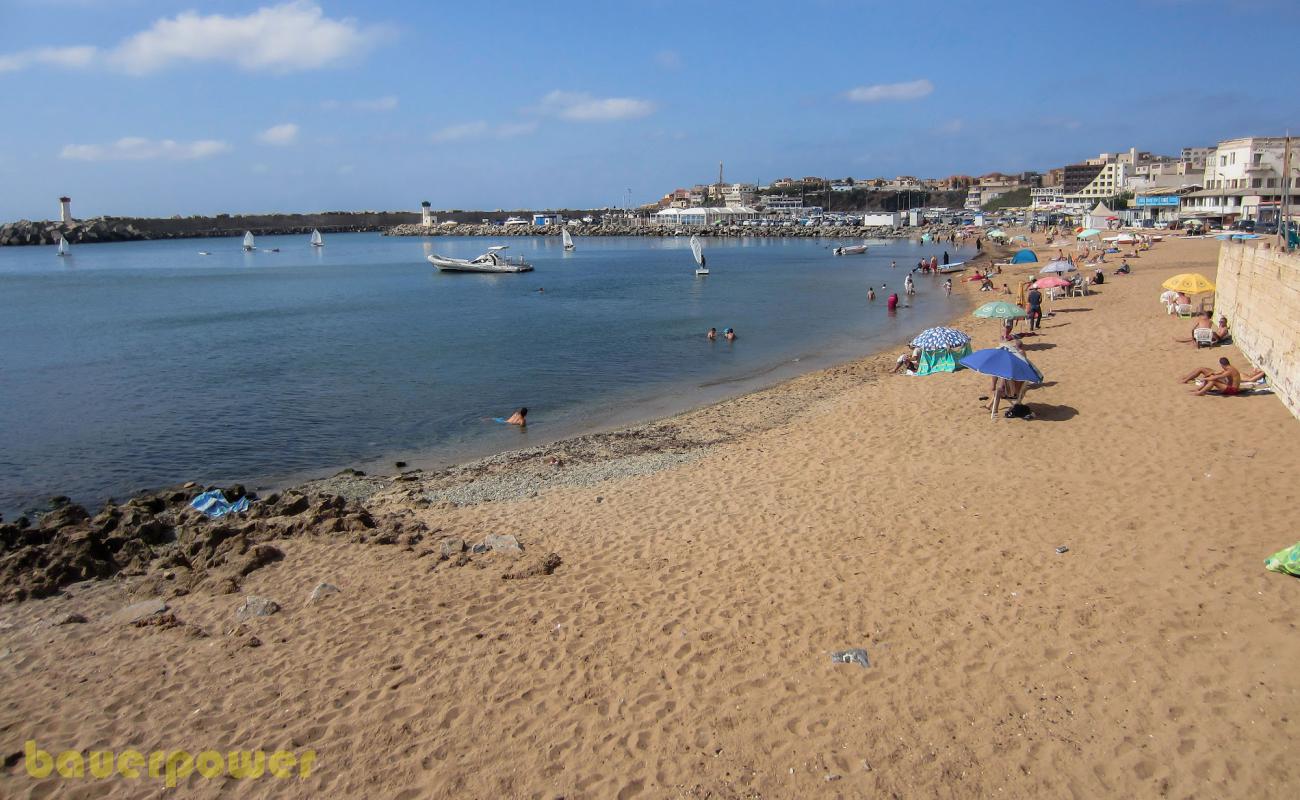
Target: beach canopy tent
{"points": [[1099, 217], [940, 349], [1189, 283], [1025, 256], [1087, 233]]}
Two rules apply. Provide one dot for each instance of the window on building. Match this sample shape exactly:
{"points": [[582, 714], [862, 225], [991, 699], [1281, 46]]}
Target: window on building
{"points": [[1259, 158], [1234, 157], [1272, 182], [1255, 183], [1223, 161]]}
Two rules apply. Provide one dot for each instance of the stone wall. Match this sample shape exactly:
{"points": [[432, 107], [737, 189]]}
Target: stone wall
{"points": [[1258, 290]]}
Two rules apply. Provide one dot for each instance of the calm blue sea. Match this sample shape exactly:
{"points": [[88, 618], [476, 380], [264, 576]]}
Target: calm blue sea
{"points": [[137, 365]]}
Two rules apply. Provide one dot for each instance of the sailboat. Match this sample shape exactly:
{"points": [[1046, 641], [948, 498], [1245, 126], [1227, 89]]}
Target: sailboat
{"points": [[316, 240], [568, 240], [63, 247], [248, 242], [698, 251]]}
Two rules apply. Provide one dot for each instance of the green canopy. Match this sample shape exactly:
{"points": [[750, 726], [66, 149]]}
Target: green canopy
{"points": [[1088, 233], [1000, 309]]}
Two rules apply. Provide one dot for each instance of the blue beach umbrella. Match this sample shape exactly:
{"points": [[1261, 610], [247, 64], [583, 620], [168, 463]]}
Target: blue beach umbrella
{"points": [[940, 339], [1002, 363]]}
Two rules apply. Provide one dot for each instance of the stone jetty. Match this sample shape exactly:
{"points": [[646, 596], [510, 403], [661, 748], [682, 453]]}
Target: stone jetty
{"points": [[715, 231]]}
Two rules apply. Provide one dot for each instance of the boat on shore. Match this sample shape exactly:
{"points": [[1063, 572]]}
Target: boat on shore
{"points": [[850, 250], [948, 269], [491, 261]]}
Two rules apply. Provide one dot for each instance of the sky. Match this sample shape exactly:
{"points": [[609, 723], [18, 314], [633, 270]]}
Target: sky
{"points": [[155, 108]]}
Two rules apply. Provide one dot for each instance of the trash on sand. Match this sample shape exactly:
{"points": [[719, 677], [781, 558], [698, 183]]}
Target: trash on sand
{"points": [[1062, 549], [214, 504], [1287, 561], [855, 656]]}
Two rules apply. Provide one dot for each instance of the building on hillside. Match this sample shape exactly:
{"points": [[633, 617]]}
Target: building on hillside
{"points": [[1046, 198], [1053, 177], [1085, 184], [741, 194]]}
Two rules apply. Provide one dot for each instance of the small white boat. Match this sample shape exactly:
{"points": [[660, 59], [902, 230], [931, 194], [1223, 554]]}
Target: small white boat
{"points": [[248, 242], [204, 253], [64, 248], [316, 240], [510, 221], [491, 261], [956, 266], [697, 250], [568, 240], [850, 250]]}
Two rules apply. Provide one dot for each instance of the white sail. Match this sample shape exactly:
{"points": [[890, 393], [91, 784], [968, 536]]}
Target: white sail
{"points": [[697, 250], [568, 240], [63, 246], [248, 240], [316, 240]]}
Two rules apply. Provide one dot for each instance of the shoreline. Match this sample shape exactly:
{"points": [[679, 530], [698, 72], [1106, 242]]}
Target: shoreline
{"points": [[1041, 608]]}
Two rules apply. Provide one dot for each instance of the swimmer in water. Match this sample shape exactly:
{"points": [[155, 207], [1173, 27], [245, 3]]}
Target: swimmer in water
{"points": [[729, 335], [871, 293], [519, 418], [713, 334]]}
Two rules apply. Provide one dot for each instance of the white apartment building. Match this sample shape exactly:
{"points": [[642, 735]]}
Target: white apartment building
{"points": [[739, 195], [1243, 178]]}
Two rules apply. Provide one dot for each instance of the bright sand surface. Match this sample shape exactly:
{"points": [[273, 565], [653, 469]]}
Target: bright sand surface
{"points": [[682, 649]]}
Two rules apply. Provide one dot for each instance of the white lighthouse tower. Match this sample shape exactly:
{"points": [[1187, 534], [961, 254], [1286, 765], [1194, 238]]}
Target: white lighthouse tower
{"points": [[65, 209], [426, 215]]}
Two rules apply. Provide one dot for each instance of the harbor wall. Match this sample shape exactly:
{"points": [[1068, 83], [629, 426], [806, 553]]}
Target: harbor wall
{"points": [[1258, 290]]}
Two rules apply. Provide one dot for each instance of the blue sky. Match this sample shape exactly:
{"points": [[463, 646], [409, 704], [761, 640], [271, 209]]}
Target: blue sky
{"points": [[153, 107]]}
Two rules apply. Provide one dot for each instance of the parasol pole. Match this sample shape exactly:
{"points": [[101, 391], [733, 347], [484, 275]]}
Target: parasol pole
{"points": [[997, 397]]}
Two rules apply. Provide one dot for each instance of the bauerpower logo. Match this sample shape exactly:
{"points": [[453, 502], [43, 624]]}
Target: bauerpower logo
{"points": [[169, 766]]}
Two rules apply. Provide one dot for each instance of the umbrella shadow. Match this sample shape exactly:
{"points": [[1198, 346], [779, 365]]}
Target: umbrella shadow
{"points": [[1053, 413], [1038, 346], [1070, 310]]}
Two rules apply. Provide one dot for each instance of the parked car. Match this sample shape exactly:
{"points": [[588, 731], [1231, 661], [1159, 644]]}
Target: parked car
{"points": [[1246, 225]]}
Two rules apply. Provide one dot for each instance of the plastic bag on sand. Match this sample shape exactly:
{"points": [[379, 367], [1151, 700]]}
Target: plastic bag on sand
{"points": [[1287, 561]]}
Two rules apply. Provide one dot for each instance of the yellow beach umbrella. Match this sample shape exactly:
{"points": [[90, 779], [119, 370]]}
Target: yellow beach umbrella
{"points": [[1189, 283]]}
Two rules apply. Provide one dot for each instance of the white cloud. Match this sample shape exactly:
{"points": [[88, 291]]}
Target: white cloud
{"points": [[582, 107], [386, 103], [482, 130], [909, 90], [135, 148], [288, 37], [669, 59], [52, 56], [279, 135]]}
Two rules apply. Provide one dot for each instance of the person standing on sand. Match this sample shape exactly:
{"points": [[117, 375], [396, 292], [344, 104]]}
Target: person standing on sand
{"points": [[1035, 309], [979, 245]]}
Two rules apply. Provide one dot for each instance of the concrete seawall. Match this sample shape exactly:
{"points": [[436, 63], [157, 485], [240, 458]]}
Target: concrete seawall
{"points": [[1258, 290]]}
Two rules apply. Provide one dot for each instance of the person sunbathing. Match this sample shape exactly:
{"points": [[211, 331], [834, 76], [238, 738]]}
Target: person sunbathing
{"points": [[1203, 321], [1256, 378], [1220, 334], [1227, 381]]}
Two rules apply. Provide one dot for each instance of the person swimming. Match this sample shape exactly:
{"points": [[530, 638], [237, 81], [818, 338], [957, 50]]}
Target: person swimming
{"points": [[519, 418], [871, 293], [729, 335], [712, 334]]}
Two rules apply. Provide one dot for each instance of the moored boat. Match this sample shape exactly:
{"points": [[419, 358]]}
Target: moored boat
{"points": [[850, 250], [491, 261]]}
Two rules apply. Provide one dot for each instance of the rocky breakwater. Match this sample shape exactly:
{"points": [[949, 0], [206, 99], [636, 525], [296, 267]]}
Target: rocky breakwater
{"points": [[160, 540], [940, 232], [101, 229]]}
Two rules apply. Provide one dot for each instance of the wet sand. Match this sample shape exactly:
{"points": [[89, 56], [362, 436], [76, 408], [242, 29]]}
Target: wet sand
{"points": [[682, 647]]}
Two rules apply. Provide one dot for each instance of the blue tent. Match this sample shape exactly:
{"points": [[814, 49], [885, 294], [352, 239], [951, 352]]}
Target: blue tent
{"points": [[1025, 256]]}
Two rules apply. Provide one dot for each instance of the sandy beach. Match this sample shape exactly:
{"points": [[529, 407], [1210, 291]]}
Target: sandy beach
{"points": [[667, 630]]}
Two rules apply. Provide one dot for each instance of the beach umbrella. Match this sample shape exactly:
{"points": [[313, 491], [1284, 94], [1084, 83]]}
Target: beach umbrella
{"points": [[1189, 283], [996, 233], [940, 339], [1005, 365], [1088, 233], [1058, 266], [1051, 282], [1020, 238], [1000, 309], [1025, 256]]}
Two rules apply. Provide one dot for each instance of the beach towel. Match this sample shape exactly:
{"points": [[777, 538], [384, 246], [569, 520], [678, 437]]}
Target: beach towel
{"points": [[214, 504], [1287, 561]]}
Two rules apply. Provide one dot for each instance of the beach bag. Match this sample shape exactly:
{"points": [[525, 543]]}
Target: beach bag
{"points": [[1019, 411], [1285, 561]]}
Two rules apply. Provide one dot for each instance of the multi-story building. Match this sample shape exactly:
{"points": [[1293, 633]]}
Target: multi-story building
{"points": [[740, 195], [1243, 178], [1045, 198], [1084, 185]]}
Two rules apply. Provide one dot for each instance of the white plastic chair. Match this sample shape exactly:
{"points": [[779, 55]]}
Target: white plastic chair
{"points": [[1204, 337]]}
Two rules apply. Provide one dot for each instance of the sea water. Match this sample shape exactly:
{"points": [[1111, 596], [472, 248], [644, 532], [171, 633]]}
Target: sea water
{"points": [[129, 366]]}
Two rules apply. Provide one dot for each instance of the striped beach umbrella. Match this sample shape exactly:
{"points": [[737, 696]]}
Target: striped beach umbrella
{"points": [[940, 339]]}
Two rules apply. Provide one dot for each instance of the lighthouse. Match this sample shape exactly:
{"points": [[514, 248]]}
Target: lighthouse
{"points": [[65, 210], [426, 215]]}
